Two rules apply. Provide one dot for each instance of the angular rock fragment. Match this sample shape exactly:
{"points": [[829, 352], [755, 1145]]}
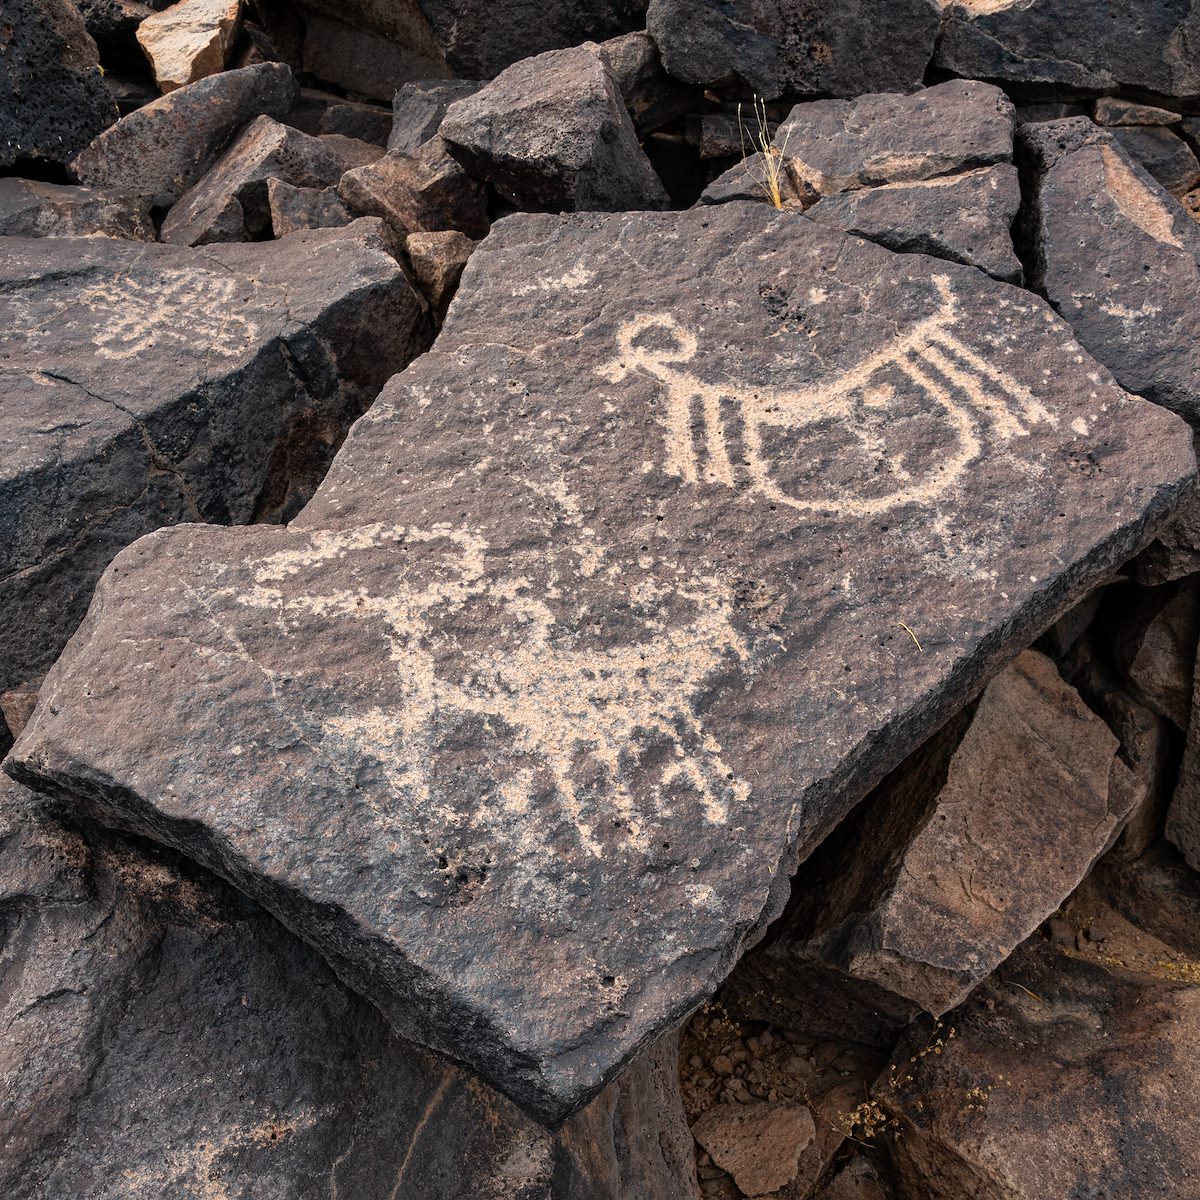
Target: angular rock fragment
{"points": [[350, 153], [721, 135], [1183, 815], [437, 261], [1157, 891], [419, 108], [17, 704], [151, 385], [52, 95], [162, 1035], [839, 145], [1164, 154], [165, 147], [1074, 43], [113, 25], [505, 721], [759, 1144], [652, 97], [419, 192], [958, 858], [966, 218], [1118, 258], [1063, 1078], [30, 209], [552, 132], [295, 208], [797, 47], [1109, 110], [190, 40], [229, 204], [1155, 649], [757, 177], [366, 122]]}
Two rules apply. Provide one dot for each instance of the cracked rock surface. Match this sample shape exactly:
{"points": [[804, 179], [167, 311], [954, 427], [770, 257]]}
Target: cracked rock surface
{"points": [[524, 722]]}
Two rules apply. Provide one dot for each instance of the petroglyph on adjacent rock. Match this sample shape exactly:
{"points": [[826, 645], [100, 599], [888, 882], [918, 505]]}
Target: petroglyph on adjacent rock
{"points": [[970, 398], [571, 715]]}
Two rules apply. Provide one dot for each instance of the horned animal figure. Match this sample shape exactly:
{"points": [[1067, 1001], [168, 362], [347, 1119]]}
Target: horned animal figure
{"points": [[952, 376]]}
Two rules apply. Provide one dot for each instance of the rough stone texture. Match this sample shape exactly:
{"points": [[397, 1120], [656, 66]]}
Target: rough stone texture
{"points": [[652, 97], [1076, 43], [437, 261], [1155, 648], [162, 1036], [189, 40], [366, 122], [548, 785], [1159, 892], [419, 108], [363, 63], [721, 135], [1109, 110], [52, 96], [112, 25], [797, 47], [751, 180], [1064, 1078], [295, 208], [1164, 154], [1117, 256], [350, 153], [1175, 552], [418, 193], [838, 145], [29, 209], [17, 704], [165, 147], [759, 1144], [966, 218], [229, 204], [553, 133], [152, 385], [858, 1180], [1183, 815], [935, 886]]}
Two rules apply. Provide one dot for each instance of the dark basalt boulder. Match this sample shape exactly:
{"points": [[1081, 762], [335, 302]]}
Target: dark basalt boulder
{"points": [[30, 209], [147, 385], [600, 621], [52, 95]]}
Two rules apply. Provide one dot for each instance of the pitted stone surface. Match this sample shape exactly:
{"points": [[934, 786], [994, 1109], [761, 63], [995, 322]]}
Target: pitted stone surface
{"points": [[146, 385], [688, 529]]}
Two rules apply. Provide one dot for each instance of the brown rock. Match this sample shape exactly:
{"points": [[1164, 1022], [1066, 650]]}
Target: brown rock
{"points": [[652, 97], [1158, 892], [437, 261], [1183, 815], [190, 40], [758, 1144], [30, 209], [857, 1180], [17, 705], [1155, 648], [295, 208], [1063, 1077], [418, 109], [229, 204], [422, 192], [1111, 110], [350, 152], [364, 122], [1163, 153]]}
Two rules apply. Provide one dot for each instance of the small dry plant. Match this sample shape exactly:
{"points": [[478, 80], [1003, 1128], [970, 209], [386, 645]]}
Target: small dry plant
{"points": [[764, 160]]}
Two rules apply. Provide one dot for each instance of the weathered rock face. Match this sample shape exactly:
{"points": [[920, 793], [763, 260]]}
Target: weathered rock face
{"points": [[152, 385], [52, 96], [553, 133], [1109, 110], [1164, 154], [295, 208], [966, 218], [167, 145], [437, 261], [652, 97], [1066, 1078], [113, 25], [795, 47], [163, 1036], [1075, 43], [189, 40], [505, 721], [30, 209], [230, 203], [840, 145], [419, 108], [952, 864], [1183, 815], [1118, 258], [1155, 649]]}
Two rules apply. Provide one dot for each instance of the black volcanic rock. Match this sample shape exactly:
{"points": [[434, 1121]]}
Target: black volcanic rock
{"points": [[146, 385], [796, 47], [688, 529], [167, 145], [419, 108], [52, 95]]}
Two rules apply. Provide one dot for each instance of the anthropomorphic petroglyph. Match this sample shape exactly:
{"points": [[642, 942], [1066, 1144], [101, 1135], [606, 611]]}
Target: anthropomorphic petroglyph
{"points": [[972, 399], [572, 716]]}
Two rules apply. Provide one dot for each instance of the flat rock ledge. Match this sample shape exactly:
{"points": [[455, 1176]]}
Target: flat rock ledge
{"points": [[690, 528]]}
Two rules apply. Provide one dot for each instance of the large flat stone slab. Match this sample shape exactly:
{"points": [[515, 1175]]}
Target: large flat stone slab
{"points": [[689, 528], [145, 385]]}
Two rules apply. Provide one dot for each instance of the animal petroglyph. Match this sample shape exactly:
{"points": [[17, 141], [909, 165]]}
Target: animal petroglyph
{"points": [[565, 712], [954, 382]]}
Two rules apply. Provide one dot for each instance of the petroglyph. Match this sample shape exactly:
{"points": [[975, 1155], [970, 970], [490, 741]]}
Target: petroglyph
{"points": [[123, 316], [567, 712], [967, 395]]}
